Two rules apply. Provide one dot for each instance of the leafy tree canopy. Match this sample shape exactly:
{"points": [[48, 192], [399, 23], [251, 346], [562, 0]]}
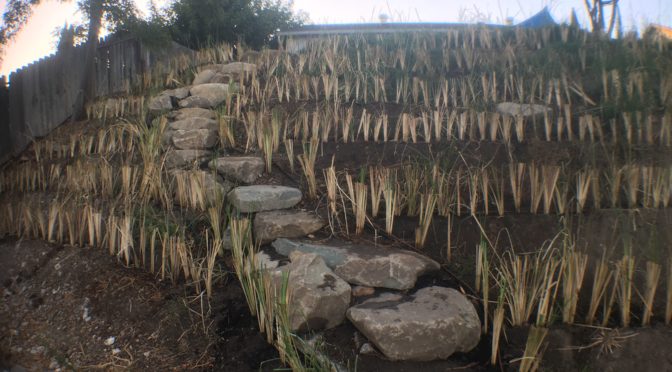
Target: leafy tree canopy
{"points": [[195, 23]]}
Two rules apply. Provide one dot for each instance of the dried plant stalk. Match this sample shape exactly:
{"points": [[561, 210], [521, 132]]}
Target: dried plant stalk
{"points": [[652, 276], [427, 206]]}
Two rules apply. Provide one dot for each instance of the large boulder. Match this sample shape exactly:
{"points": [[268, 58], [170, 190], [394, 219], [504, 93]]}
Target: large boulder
{"points": [[178, 93], [433, 323], [319, 298], [237, 68], [193, 112], [203, 77], [195, 139], [215, 93], [367, 265], [176, 158], [271, 225], [520, 109], [257, 198], [160, 103], [245, 169], [195, 102], [193, 123]]}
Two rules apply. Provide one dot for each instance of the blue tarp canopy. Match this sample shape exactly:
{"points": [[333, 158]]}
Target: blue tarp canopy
{"points": [[541, 19]]}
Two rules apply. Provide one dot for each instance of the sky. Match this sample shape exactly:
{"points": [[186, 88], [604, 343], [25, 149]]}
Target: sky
{"points": [[37, 38]]}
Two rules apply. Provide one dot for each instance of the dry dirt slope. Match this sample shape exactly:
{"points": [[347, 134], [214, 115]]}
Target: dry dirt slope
{"points": [[77, 308]]}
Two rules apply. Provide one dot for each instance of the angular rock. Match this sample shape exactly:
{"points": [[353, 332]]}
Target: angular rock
{"points": [[257, 198], [178, 93], [183, 158], [213, 92], [433, 323], [245, 169], [160, 103], [195, 102], [237, 67], [195, 139], [222, 79], [193, 123], [271, 225], [194, 112], [319, 297], [203, 77], [526, 110], [366, 265]]}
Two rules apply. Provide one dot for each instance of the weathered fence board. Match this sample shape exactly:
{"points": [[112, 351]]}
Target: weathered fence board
{"points": [[42, 95]]}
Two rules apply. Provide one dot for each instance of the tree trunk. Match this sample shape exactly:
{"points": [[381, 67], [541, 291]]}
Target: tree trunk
{"points": [[87, 86]]}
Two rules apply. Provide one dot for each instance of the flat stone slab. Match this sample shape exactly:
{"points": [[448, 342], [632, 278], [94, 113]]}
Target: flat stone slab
{"points": [[215, 93], [366, 265], [319, 297], [160, 103], [271, 225], [193, 123], [195, 102], [257, 198], [431, 324], [245, 169], [192, 112], [194, 139]]}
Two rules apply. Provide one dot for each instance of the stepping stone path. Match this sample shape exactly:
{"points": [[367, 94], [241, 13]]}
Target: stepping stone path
{"points": [[319, 297], [271, 225], [245, 169], [433, 323], [258, 198], [366, 265]]}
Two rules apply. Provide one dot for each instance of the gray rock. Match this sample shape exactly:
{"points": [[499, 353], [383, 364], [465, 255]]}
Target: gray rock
{"points": [[194, 123], [193, 112], [432, 324], [179, 93], [160, 103], [237, 68], [203, 77], [183, 158], [195, 139], [245, 169], [514, 109], [271, 225], [213, 92], [264, 260], [319, 297], [366, 265], [195, 102], [257, 198], [222, 78]]}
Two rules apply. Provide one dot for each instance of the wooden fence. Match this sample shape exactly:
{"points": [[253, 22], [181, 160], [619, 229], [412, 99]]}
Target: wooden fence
{"points": [[42, 95]]}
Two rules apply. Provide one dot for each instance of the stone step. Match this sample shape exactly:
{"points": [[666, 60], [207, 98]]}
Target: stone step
{"points": [[366, 265], [431, 324], [244, 169], [258, 198], [271, 225], [194, 112], [319, 297]]}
